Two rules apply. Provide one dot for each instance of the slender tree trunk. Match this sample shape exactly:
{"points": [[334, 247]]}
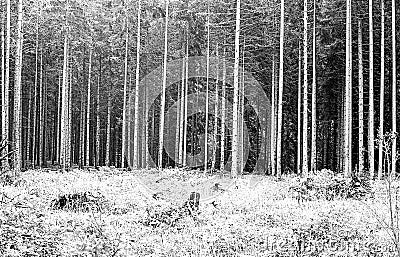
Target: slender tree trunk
{"points": [[185, 99], [223, 110], [215, 134], [17, 95], [234, 169], [382, 92], [182, 110], [347, 140], [371, 154], [41, 110], [164, 87], [207, 89], [394, 87], [273, 117], [137, 76], [124, 113], [58, 143], [305, 99], [88, 110], [3, 122], [6, 97], [28, 129], [314, 101], [97, 151], [108, 141], [299, 116], [64, 109], [280, 93], [241, 106], [360, 101]]}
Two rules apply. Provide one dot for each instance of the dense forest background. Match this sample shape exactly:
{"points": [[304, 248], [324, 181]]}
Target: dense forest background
{"points": [[90, 48]]}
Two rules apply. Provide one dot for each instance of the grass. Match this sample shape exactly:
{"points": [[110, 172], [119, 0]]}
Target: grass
{"points": [[260, 220]]}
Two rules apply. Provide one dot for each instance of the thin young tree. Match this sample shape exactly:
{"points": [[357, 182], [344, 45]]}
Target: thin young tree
{"points": [[305, 85], [234, 168], [299, 114], [136, 119], [18, 95], [273, 118], [371, 154], [223, 112], [88, 101], [347, 104], [97, 163], [164, 87], [394, 88], [124, 108], [360, 101], [207, 89], [6, 97], [382, 92], [280, 93], [314, 98], [64, 107]]}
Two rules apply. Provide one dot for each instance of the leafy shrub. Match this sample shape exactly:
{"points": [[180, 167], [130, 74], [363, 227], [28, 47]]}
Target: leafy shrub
{"points": [[329, 186], [83, 201]]}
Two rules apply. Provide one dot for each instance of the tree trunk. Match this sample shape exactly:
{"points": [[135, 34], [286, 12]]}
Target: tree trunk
{"points": [[280, 93], [273, 117], [64, 109], [394, 87], [299, 116], [185, 99], [371, 154], [108, 140], [305, 99], [314, 101], [360, 101], [6, 97], [41, 110], [17, 95], [124, 114], [348, 95], [215, 134], [207, 89], [88, 110], [164, 86], [382, 92], [223, 111], [234, 169], [97, 151], [137, 76]]}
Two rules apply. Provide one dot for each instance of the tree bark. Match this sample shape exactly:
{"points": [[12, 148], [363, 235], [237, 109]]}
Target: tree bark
{"points": [[394, 88], [164, 86], [6, 97], [88, 110], [137, 76], [314, 100], [382, 93], [371, 154], [124, 113], [299, 116], [207, 89], [234, 168], [305, 98], [280, 93], [360, 101], [17, 95]]}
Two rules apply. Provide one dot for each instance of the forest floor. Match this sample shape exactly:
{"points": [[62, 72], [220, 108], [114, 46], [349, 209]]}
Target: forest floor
{"points": [[107, 212]]}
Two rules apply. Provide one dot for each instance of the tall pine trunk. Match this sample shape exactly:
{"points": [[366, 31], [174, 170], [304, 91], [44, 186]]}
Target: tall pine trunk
{"points": [[299, 115], [348, 95], [6, 91], [382, 92], [371, 154], [17, 95], [280, 94], [360, 101], [235, 156], [314, 100], [164, 87], [305, 97], [394, 87], [207, 89], [97, 151], [137, 76], [124, 108], [88, 109]]}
